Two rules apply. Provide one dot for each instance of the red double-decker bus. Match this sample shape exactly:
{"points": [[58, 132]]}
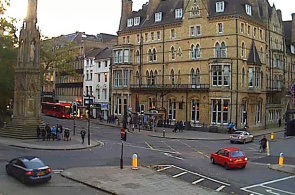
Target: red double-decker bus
{"points": [[60, 110]]}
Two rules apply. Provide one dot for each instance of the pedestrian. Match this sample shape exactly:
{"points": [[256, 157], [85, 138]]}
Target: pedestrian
{"points": [[53, 133], [263, 144], [61, 130], [43, 133], [48, 132], [175, 127], [181, 125], [230, 128], [38, 132], [83, 133], [280, 122]]}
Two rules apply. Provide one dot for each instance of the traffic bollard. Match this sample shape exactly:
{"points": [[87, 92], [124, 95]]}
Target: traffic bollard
{"points": [[163, 132], [134, 162], [271, 136], [281, 159]]}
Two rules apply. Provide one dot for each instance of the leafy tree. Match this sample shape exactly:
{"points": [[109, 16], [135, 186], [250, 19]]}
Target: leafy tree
{"points": [[8, 56]]}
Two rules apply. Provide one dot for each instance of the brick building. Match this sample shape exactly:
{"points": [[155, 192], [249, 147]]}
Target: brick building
{"points": [[203, 61]]}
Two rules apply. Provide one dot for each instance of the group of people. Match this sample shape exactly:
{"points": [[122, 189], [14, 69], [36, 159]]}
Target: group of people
{"points": [[179, 125], [54, 133]]}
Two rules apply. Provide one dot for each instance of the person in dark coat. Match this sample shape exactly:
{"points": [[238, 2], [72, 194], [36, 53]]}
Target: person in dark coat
{"points": [[48, 132], [175, 127], [280, 122], [263, 144], [38, 132], [83, 133], [43, 134]]}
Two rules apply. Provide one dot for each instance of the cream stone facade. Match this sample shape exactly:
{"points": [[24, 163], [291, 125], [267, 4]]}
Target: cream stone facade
{"points": [[205, 62]]}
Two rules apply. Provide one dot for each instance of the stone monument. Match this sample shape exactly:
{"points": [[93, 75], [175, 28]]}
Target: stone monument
{"points": [[27, 89]]}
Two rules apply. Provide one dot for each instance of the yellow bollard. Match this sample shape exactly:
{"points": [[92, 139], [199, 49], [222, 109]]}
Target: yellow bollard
{"points": [[271, 136], [134, 162], [281, 159]]}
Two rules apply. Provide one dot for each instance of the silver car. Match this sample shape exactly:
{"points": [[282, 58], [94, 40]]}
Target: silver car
{"points": [[241, 137]]}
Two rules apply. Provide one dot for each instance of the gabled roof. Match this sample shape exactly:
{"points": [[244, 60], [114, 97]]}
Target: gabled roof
{"points": [[106, 53], [92, 53], [253, 57]]}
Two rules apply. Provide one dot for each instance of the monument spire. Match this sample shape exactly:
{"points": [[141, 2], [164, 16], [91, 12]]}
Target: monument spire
{"points": [[32, 12]]}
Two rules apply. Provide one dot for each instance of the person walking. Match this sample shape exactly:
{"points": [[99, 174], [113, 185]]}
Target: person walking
{"points": [[53, 133], [181, 126], [48, 132], [230, 128], [263, 144], [280, 122], [83, 133], [43, 133], [61, 130], [38, 132]]}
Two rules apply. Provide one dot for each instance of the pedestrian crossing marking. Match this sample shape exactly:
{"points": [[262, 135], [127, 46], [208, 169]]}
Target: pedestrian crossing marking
{"points": [[180, 174], [198, 181]]}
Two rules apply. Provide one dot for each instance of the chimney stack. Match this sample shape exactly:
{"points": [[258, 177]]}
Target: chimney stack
{"points": [[153, 4], [126, 11]]}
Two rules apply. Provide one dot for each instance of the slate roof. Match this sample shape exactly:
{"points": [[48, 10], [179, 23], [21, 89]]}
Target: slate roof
{"points": [[106, 53], [93, 52], [253, 57]]}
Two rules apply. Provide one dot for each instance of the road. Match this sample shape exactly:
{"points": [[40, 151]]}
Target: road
{"points": [[181, 159]]}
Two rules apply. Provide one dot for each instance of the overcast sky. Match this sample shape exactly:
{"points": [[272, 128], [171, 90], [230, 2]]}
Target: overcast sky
{"points": [[56, 17]]}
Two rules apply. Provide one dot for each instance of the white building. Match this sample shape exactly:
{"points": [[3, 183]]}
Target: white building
{"points": [[96, 81]]}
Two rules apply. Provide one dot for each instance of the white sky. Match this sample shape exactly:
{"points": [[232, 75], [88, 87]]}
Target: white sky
{"points": [[56, 17]]}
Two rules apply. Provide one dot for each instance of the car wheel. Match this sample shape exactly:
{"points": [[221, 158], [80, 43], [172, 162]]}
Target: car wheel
{"points": [[7, 171], [231, 142], [226, 166], [212, 160], [244, 141]]}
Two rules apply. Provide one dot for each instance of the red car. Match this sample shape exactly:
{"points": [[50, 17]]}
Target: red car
{"points": [[229, 158]]}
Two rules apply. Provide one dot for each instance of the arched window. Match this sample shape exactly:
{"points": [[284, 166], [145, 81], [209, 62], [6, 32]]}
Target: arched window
{"points": [[172, 77], [152, 78], [137, 57], [223, 50], [154, 55], [179, 52], [178, 77], [243, 76], [193, 76], [217, 50], [198, 76], [172, 53], [137, 77], [148, 79], [243, 50], [198, 51], [193, 52], [156, 77], [150, 55], [261, 81]]}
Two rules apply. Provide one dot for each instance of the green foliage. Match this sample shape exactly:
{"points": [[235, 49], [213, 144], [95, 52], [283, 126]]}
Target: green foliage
{"points": [[8, 56]]}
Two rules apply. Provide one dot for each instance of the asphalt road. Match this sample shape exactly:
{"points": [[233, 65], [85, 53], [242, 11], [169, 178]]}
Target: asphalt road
{"points": [[181, 159]]}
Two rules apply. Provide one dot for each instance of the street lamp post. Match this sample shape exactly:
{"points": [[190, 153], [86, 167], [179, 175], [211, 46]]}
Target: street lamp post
{"points": [[74, 122], [88, 119]]}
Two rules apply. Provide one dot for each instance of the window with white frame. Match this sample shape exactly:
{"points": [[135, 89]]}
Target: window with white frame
{"points": [[195, 111], [254, 31], [117, 105], [193, 52], [198, 51], [254, 77], [126, 55], [219, 6], [98, 79], [248, 29], [137, 78], [193, 31], [136, 21], [146, 35], [172, 53], [220, 29], [178, 13], [243, 49], [98, 93], [87, 75], [152, 36], [258, 112], [220, 75], [172, 109], [198, 76], [125, 78], [118, 78], [148, 78], [158, 35], [152, 78], [193, 76], [137, 56], [242, 27], [91, 74], [223, 50], [105, 93], [120, 56], [158, 17], [152, 103], [150, 55], [172, 77], [219, 111], [138, 38], [130, 22], [154, 55], [248, 9], [243, 110], [198, 30]]}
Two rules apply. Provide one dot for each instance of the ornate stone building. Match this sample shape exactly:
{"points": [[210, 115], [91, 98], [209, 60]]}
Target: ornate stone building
{"points": [[26, 105], [201, 61]]}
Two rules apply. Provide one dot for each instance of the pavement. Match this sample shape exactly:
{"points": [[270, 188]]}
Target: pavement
{"points": [[128, 181]]}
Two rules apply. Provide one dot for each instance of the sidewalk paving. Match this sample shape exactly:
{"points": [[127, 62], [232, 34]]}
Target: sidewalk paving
{"points": [[144, 181]]}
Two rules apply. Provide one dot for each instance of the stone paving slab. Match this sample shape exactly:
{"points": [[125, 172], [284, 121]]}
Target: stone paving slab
{"points": [[144, 181], [285, 168]]}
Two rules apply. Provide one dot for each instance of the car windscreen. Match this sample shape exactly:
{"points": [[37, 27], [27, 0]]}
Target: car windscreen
{"points": [[237, 132], [34, 163], [236, 154]]}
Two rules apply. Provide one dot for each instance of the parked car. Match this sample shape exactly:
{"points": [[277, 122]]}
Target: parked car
{"points": [[28, 170], [241, 137], [229, 158]]}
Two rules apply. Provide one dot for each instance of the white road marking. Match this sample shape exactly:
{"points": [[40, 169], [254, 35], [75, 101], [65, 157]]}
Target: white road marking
{"points": [[164, 168], [270, 190], [268, 182], [57, 171], [180, 174], [203, 176], [170, 155], [220, 188], [169, 146], [198, 181]]}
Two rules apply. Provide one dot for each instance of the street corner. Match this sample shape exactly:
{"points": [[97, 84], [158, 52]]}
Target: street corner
{"points": [[284, 168]]}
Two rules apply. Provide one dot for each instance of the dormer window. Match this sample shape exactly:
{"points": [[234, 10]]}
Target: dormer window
{"points": [[158, 17], [178, 13], [130, 22], [136, 21], [220, 6], [248, 9]]}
